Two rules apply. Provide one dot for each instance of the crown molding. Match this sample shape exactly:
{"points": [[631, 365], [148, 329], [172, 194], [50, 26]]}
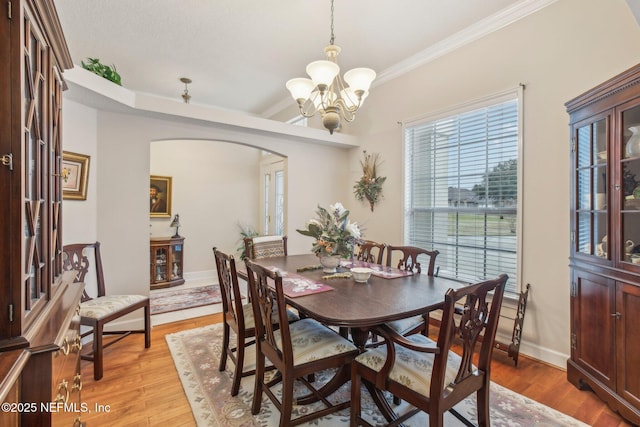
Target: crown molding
{"points": [[470, 34]]}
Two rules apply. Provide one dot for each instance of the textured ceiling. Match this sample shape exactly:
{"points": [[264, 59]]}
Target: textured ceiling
{"points": [[240, 53]]}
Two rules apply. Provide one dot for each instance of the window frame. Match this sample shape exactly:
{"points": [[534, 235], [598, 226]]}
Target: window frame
{"points": [[467, 107]]}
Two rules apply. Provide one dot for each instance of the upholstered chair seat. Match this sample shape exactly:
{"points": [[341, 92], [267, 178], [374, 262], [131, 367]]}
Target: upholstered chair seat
{"points": [[411, 368], [312, 340], [101, 307]]}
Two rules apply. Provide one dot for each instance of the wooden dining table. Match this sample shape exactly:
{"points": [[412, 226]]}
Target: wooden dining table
{"points": [[359, 306]]}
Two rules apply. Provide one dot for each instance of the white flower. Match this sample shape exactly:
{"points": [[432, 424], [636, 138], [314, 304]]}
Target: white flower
{"points": [[337, 208], [353, 229]]}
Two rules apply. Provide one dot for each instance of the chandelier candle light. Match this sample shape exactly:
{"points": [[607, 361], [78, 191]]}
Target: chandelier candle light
{"points": [[327, 93]]}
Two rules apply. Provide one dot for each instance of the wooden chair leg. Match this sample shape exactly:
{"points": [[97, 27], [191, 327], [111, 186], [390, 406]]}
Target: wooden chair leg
{"points": [[287, 400], [225, 347], [258, 385], [97, 351], [147, 325], [237, 373], [482, 397], [356, 389]]}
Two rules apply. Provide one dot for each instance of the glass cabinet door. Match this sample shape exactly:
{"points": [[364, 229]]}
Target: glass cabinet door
{"points": [[176, 258], [629, 185], [591, 189], [161, 265]]}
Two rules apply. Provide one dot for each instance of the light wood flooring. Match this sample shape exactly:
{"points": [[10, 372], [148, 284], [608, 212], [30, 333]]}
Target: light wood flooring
{"points": [[141, 387]]}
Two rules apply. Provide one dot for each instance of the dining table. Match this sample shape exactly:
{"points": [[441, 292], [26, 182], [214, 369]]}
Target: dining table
{"points": [[389, 294], [338, 300]]}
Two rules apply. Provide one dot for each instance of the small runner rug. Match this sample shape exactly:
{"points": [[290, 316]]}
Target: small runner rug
{"points": [[166, 301], [196, 353]]}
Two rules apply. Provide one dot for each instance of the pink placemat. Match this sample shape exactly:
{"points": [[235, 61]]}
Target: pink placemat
{"points": [[379, 270], [295, 285]]}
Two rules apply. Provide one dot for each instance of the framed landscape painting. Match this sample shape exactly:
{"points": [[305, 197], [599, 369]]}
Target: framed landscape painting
{"points": [[75, 172], [160, 196]]}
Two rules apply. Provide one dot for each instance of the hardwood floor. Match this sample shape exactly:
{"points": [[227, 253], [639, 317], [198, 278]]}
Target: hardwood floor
{"points": [[141, 387]]}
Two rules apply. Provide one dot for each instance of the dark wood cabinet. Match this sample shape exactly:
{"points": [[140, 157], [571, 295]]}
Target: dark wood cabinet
{"points": [[605, 242], [39, 343], [166, 262]]}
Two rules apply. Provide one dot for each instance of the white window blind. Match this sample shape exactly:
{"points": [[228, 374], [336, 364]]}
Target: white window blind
{"points": [[461, 190]]}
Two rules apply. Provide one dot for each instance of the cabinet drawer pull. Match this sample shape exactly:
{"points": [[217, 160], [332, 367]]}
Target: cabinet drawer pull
{"points": [[63, 388], [65, 347], [77, 382], [77, 344]]}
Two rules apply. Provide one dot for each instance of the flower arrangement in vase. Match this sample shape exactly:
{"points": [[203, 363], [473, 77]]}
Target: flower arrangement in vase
{"points": [[335, 236]]}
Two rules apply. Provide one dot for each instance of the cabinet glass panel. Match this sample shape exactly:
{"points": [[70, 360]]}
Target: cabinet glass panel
{"points": [[630, 185], [176, 256], [161, 265], [591, 194]]}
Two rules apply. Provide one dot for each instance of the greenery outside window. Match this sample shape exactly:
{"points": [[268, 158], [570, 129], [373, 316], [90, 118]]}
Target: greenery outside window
{"points": [[461, 189]]}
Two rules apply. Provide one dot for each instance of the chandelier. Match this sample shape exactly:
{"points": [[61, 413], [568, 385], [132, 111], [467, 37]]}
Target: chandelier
{"points": [[326, 92]]}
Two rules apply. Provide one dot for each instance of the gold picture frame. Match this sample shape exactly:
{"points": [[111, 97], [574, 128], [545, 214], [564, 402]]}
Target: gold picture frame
{"points": [[75, 174], [160, 196]]}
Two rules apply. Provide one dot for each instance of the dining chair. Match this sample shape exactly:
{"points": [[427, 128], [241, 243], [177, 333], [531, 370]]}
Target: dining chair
{"points": [[366, 251], [96, 307], [265, 246], [428, 374], [237, 316], [297, 350], [410, 257]]}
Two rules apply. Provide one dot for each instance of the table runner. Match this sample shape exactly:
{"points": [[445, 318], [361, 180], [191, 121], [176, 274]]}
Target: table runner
{"points": [[295, 285]]}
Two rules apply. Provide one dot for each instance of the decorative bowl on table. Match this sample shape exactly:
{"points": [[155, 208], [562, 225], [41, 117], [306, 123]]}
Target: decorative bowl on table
{"points": [[361, 274]]}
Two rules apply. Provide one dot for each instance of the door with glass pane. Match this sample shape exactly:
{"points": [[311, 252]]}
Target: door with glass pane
{"points": [[628, 186], [592, 199], [273, 197]]}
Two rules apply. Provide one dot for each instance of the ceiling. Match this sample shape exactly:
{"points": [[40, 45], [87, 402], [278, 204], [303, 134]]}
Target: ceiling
{"points": [[240, 53]]}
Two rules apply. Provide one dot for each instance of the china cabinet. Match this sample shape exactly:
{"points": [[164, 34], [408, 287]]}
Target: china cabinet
{"points": [[39, 342], [166, 262], [605, 242]]}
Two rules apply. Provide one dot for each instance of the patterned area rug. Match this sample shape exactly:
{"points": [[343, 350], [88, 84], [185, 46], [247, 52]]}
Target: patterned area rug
{"points": [[164, 302], [196, 353]]}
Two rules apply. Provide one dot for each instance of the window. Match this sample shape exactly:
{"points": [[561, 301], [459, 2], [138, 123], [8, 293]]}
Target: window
{"points": [[273, 195], [461, 189]]}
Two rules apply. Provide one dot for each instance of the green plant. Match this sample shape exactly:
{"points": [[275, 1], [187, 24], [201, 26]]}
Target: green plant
{"points": [[245, 231], [370, 184], [105, 71]]}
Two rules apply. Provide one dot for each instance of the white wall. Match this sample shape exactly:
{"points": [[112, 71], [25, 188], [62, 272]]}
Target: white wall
{"points": [[558, 53], [215, 188], [79, 124], [316, 174]]}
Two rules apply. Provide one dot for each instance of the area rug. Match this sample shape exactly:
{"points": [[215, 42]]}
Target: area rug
{"points": [[164, 302], [196, 353]]}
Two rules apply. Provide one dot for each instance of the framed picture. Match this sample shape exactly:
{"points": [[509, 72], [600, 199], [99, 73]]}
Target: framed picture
{"points": [[160, 196], [75, 172]]}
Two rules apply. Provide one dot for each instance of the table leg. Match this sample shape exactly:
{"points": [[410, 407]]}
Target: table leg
{"points": [[359, 336]]}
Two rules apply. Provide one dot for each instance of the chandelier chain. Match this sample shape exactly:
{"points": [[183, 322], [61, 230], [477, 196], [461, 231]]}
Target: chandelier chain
{"points": [[332, 36]]}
